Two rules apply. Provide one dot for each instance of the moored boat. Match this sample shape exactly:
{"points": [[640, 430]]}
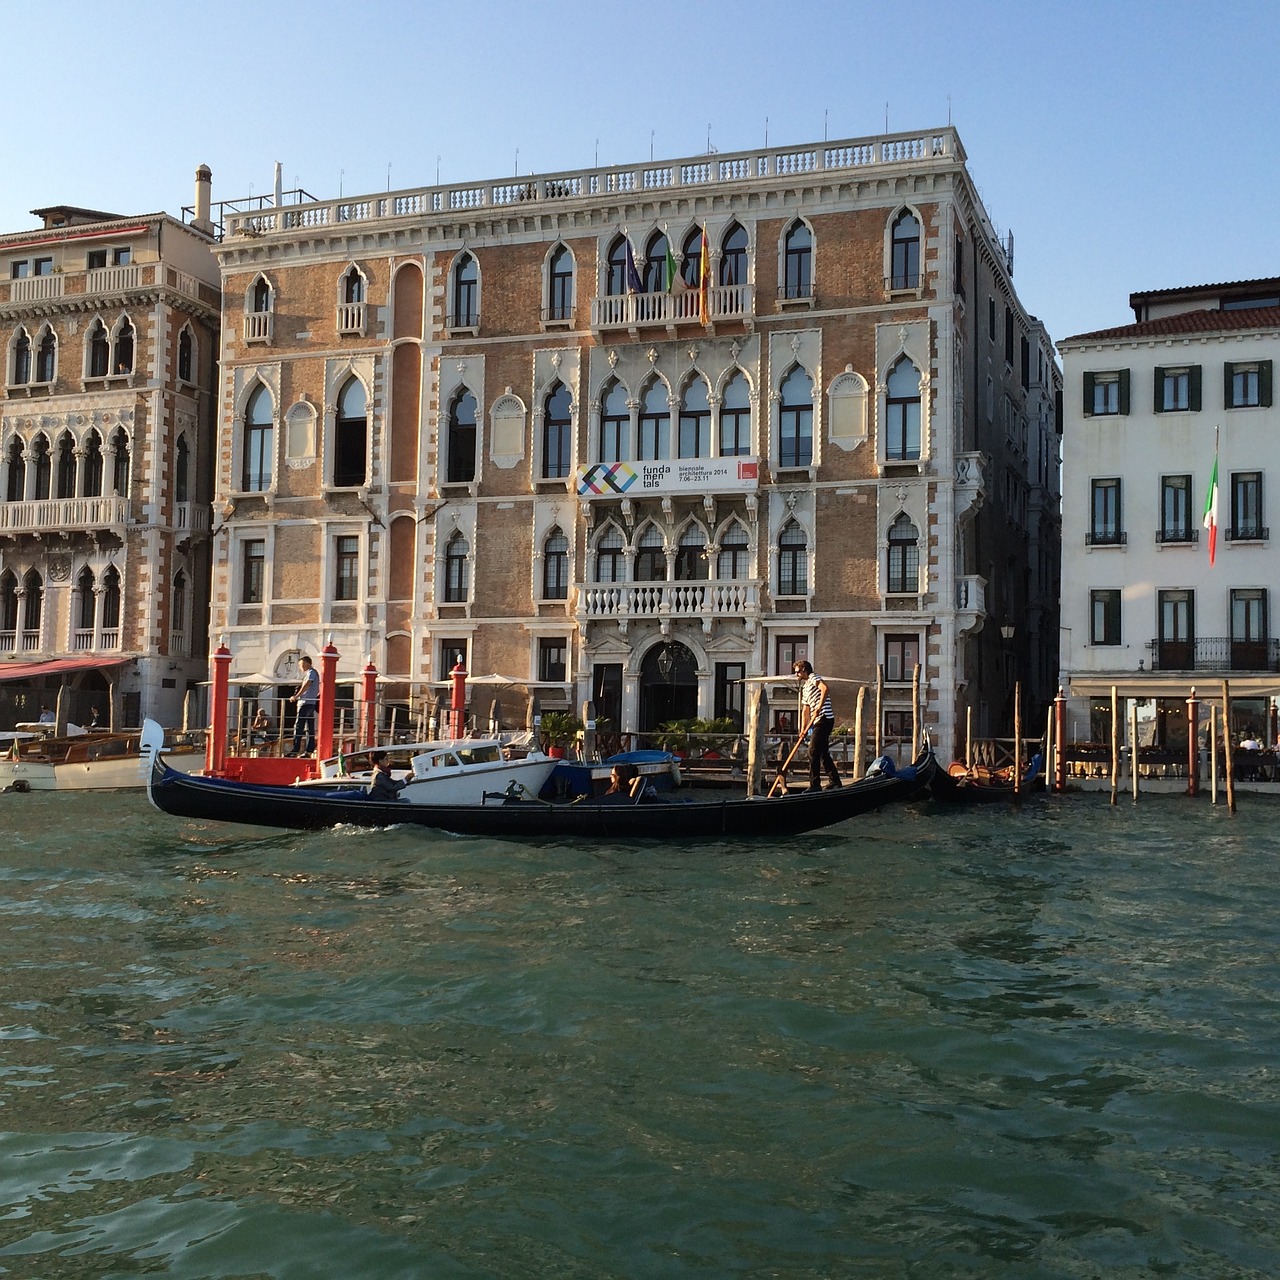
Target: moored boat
{"points": [[501, 815], [958, 785], [89, 761]]}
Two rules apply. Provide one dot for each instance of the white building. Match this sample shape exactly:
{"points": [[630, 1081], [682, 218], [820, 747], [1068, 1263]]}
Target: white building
{"points": [[1143, 608]]}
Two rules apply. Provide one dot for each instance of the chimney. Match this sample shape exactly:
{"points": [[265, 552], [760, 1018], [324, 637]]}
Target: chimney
{"points": [[204, 186], [278, 186]]}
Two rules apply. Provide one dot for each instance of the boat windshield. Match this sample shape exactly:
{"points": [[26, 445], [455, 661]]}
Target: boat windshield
{"points": [[488, 754]]}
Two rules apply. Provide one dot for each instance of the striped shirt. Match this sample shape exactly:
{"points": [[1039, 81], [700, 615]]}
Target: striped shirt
{"points": [[815, 703]]}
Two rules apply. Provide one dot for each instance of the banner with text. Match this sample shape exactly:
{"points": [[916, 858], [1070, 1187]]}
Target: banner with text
{"points": [[680, 475]]}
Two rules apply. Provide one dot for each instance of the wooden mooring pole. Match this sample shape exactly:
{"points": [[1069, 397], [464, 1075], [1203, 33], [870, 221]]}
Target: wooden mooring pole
{"points": [[1226, 746], [1115, 743]]}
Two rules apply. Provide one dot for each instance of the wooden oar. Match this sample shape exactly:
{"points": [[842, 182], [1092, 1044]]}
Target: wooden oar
{"points": [[782, 769]]}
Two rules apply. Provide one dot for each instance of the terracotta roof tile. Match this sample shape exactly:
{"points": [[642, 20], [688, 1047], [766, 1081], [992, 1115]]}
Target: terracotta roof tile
{"points": [[1188, 322]]}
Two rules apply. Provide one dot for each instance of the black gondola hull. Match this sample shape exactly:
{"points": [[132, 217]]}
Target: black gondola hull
{"points": [[223, 800]]}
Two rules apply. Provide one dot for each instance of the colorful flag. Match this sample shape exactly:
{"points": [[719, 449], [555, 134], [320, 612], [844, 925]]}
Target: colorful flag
{"points": [[1211, 505], [704, 279], [634, 283], [675, 281]]}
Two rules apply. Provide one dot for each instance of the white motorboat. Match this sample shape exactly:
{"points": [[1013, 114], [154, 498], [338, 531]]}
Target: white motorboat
{"points": [[89, 761], [464, 771]]}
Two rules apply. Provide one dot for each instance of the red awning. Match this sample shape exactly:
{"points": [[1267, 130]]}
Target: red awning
{"points": [[55, 667]]}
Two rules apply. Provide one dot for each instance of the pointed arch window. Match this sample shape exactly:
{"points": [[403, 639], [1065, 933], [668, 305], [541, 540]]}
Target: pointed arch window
{"points": [[793, 561], [260, 297], [655, 264], [353, 286], [615, 425], [122, 348], [795, 421], [733, 256], [691, 266], [351, 436], [735, 418], [17, 469], [43, 469], [560, 284], [111, 607], [66, 468], [734, 560], [902, 413], [93, 466], [32, 609], [464, 294], [655, 423], [99, 350], [259, 311], [557, 427], [180, 607], [611, 560], [797, 266], [904, 268], [259, 442], [86, 605], [8, 611], [615, 280], [182, 470], [120, 463], [47, 356], [460, 462], [695, 421], [186, 355], [457, 561], [904, 557], [20, 371], [691, 555], [555, 566], [651, 557]]}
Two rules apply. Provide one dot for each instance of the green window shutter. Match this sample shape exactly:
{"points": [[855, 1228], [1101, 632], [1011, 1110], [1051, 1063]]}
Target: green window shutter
{"points": [[1226, 385], [1264, 383], [1088, 395], [1124, 391], [1193, 389], [1157, 394]]}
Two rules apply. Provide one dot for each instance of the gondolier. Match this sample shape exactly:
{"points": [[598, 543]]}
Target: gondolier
{"points": [[820, 716]]}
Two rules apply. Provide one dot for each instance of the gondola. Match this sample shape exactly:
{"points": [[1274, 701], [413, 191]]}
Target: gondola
{"points": [[502, 815], [958, 785]]}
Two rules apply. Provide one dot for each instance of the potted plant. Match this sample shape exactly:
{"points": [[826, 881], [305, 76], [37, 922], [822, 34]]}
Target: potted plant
{"points": [[560, 729]]}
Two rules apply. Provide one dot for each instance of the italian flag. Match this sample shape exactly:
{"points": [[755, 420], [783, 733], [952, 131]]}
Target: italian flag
{"points": [[1211, 508]]}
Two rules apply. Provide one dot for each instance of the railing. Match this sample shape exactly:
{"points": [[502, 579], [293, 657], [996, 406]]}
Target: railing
{"points": [[351, 317], [63, 513], [971, 594], [1185, 536], [724, 302], [462, 320], [1215, 654], [82, 639], [258, 326], [716, 598], [33, 288], [30, 641], [1105, 538], [903, 283], [1249, 533], [112, 279], [193, 516], [8, 641], [690, 172]]}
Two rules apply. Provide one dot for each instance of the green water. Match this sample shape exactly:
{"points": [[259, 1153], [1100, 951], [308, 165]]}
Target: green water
{"points": [[1022, 1045]]}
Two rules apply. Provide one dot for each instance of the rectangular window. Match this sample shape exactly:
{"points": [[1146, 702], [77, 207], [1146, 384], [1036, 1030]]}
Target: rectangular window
{"points": [[1176, 524], [121, 257], [42, 267], [253, 571], [551, 659], [1177, 390], [729, 690], [1249, 637], [1106, 394], [1105, 529], [97, 259], [1008, 336], [606, 692], [19, 270], [901, 657], [1104, 617], [1176, 643], [1247, 385], [991, 319], [1246, 506], [452, 652], [346, 556], [787, 651]]}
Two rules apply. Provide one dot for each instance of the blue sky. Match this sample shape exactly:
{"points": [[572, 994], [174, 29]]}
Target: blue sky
{"points": [[1128, 146]]}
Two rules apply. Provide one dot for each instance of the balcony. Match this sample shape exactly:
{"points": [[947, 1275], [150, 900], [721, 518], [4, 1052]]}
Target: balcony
{"points": [[971, 603], [1177, 537], [708, 601], [971, 485], [25, 641], [258, 326], [193, 517], [1248, 533], [1215, 654], [640, 310], [1106, 538], [37, 288], [113, 279], [50, 515], [351, 317]]}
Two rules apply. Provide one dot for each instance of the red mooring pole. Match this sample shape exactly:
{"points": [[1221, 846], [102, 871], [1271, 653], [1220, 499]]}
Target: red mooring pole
{"points": [[458, 704]]}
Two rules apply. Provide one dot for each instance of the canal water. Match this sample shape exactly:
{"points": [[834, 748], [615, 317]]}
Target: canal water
{"points": [[1029, 1044]]}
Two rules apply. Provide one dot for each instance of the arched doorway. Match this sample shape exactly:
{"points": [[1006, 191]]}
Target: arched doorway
{"points": [[668, 685]]}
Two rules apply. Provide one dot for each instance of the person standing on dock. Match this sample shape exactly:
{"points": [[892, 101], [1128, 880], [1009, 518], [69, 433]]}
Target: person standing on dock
{"points": [[307, 699], [820, 716]]}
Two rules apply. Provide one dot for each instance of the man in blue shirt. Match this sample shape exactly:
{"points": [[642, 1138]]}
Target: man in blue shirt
{"points": [[307, 699]]}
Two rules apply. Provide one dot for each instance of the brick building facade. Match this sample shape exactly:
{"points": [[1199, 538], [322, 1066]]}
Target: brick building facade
{"points": [[110, 328], [537, 424]]}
